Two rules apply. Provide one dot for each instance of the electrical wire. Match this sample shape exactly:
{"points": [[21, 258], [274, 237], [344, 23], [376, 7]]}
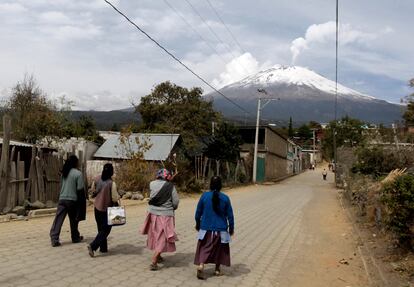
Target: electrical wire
{"points": [[216, 36], [227, 28], [195, 31], [175, 58]]}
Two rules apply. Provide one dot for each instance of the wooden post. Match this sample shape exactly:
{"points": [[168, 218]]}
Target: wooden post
{"points": [[236, 172], [4, 162], [11, 196], [40, 177], [31, 188], [20, 176]]}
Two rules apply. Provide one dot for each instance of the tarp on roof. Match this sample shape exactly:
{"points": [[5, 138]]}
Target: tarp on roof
{"points": [[161, 146]]}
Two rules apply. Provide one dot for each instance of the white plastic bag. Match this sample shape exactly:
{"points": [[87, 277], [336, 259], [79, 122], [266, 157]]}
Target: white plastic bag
{"points": [[116, 215]]}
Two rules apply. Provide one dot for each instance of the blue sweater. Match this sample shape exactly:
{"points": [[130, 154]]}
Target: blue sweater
{"points": [[209, 219]]}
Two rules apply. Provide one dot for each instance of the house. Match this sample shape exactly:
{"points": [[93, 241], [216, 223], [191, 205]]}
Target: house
{"points": [[277, 156], [154, 148], [159, 146]]}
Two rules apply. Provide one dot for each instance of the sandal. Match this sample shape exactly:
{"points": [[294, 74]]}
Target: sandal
{"points": [[153, 267], [200, 273], [160, 259]]}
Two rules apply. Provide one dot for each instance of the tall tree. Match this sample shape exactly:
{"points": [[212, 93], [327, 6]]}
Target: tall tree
{"points": [[33, 115], [349, 132], [290, 130], [174, 109], [225, 144], [409, 113]]}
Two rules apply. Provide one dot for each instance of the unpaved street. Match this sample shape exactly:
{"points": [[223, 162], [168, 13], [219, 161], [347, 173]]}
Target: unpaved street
{"points": [[293, 233]]}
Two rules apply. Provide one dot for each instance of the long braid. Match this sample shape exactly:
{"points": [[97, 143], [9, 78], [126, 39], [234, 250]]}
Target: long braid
{"points": [[215, 186]]}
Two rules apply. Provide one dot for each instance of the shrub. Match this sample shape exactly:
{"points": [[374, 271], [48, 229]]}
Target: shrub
{"points": [[376, 161], [133, 174], [398, 197]]}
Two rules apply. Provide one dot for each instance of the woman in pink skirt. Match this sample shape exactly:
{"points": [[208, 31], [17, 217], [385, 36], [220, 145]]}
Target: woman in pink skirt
{"points": [[159, 226], [215, 224]]}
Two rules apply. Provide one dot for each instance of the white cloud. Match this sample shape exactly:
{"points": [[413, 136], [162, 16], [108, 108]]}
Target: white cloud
{"points": [[325, 33], [71, 32], [12, 8], [238, 68], [54, 17]]}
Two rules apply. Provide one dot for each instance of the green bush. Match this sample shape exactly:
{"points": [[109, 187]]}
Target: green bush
{"points": [[398, 197], [376, 161]]}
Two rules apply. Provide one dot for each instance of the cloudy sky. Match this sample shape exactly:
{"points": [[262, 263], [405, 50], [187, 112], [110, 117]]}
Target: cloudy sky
{"points": [[84, 50]]}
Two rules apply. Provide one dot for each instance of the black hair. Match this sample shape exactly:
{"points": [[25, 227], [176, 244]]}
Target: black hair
{"points": [[71, 162], [215, 187], [107, 171]]}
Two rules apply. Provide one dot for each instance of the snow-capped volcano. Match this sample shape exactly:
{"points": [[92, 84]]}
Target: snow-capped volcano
{"points": [[295, 75], [304, 95]]}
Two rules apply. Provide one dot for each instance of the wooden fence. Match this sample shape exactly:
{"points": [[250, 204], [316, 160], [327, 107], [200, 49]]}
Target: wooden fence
{"points": [[37, 179]]}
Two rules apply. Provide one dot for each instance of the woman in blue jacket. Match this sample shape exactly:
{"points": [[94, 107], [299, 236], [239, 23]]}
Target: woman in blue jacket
{"points": [[215, 224]]}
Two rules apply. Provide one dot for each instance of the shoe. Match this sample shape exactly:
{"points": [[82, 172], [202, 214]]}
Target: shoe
{"points": [[80, 239], [160, 259], [56, 243], [217, 273], [200, 273], [153, 267], [90, 251]]}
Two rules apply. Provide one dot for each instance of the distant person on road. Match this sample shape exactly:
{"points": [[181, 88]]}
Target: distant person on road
{"points": [[159, 226], [324, 174], [215, 224], [72, 202], [106, 195]]}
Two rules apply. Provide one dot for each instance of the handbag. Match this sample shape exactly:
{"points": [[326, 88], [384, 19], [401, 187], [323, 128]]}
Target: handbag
{"points": [[116, 215]]}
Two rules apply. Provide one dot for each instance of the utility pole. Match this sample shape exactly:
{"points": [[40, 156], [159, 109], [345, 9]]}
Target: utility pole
{"points": [[314, 147], [256, 140], [336, 92]]}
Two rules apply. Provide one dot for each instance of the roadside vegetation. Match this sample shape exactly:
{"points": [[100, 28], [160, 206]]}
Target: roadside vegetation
{"points": [[35, 116], [378, 174]]}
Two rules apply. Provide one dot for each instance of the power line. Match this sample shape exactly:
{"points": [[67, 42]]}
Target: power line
{"points": [[175, 58], [215, 34], [336, 91], [195, 31], [227, 28]]}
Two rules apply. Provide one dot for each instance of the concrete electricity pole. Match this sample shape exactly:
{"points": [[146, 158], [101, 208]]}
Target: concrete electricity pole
{"points": [[256, 140]]}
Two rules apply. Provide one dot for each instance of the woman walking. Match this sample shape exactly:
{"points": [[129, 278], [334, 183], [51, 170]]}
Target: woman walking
{"points": [[159, 226], [106, 195], [215, 224], [72, 202]]}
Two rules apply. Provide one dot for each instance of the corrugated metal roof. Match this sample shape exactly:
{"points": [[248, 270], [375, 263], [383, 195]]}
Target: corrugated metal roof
{"points": [[17, 143], [160, 146]]}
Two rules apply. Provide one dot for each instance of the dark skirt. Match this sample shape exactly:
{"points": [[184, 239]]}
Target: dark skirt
{"points": [[211, 250]]}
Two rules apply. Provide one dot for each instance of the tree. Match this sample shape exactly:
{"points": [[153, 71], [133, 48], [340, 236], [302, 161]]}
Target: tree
{"points": [[290, 130], [349, 132], [225, 144], [33, 115], [174, 109], [409, 113]]}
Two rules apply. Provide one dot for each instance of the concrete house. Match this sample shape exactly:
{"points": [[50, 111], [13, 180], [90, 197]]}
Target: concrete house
{"points": [[277, 156]]}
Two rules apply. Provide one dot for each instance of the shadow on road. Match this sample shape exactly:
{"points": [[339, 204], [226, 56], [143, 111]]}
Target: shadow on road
{"points": [[179, 260], [126, 249]]}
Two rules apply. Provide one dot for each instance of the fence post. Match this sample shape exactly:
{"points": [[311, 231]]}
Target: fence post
{"points": [[4, 162]]}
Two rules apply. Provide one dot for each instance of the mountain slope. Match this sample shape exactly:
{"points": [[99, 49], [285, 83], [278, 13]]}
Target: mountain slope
{"points": [[303, 95]]}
